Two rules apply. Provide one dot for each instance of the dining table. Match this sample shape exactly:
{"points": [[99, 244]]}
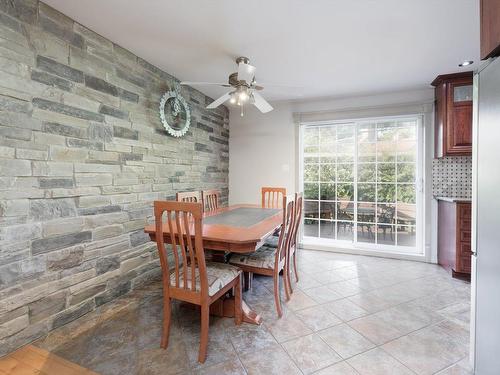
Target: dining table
{"points": [[241, 229]]}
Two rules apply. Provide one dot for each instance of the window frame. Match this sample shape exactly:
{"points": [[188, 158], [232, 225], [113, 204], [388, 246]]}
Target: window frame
{"points": [[329, 244]]}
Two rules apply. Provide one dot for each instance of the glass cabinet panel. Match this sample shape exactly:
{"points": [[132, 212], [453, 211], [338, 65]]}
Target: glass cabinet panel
{"points": [[462, 93]]}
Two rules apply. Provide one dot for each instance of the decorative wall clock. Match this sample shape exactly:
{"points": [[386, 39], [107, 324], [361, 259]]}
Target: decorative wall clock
{"points": [[175, 114]]}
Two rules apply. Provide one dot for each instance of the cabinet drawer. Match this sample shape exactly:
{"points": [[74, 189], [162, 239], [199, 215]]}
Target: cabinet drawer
{"points": [[464, 211], [465, 236], [464, 265], [465, 224], [465, 249]]}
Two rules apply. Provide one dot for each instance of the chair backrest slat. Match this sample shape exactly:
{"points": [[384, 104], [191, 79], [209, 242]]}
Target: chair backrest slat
{"points": [[182, 247], [210, 200], [191, 251], [297, 218], [183, 222], [272, 197], [173, 240], [285, 229], [189, 196]]}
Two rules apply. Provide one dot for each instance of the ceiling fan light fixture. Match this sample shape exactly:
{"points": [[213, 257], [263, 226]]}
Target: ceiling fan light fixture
{"points": [[243, 96], [233, 99], [244, 89]]}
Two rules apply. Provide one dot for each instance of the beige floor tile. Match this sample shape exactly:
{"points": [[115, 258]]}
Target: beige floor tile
{"points": [[345, 341], [456, 331], [248, 338], [370, 302], [428, 350], [345, 288], [287, 328], [376, 329], [455, 370], [327, 277], [419, 301], [345, 309], [372, 282], [439, 300], [310, 353], [299, 301], [219, 349], [231, 367], [395, 322], [322, 294], [273, 360], [378, 362], [341, 368], [458, 313], [159, 361], [317, 318], [307, 281]]}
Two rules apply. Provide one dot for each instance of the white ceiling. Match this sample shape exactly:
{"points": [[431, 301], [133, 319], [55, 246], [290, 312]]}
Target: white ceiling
{"points": [[322, 47]]}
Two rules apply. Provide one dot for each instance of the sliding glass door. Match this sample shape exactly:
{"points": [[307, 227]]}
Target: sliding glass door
{"points": [[360, 183]]}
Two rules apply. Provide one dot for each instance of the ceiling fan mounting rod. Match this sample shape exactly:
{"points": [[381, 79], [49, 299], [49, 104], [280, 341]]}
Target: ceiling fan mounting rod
{"points": [[242, 59], [233, 81]]}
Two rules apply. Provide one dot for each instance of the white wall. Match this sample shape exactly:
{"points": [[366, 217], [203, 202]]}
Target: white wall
{"points": [[261, 152]]}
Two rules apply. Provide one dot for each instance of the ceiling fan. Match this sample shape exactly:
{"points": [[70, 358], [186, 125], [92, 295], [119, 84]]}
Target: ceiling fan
{"points": [[243, 88]]}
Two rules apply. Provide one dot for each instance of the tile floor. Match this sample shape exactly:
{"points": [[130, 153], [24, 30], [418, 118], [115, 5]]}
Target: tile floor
{"points": [[348, 315]]}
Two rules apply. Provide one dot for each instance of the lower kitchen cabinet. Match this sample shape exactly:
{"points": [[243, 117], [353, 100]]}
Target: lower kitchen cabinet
{"points": [[454, 236]]}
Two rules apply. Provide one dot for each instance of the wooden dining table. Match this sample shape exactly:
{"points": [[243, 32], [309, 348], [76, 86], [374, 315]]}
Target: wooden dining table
{"points": [[242, 229]]}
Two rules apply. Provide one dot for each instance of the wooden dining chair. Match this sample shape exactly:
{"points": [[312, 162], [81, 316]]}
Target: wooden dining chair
{"points": [[292, 248], [272, 197], [210, 200], [189, 196], [270, 261], [190, 278]]}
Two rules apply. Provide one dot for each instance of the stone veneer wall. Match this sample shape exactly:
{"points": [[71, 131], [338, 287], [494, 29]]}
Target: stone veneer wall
{"points": [[82, 158]]}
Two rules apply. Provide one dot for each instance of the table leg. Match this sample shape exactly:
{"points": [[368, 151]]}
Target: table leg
{"points": [[225, 308], [247, 281]]}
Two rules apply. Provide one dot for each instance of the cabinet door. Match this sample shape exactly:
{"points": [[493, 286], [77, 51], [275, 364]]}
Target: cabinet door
{"points": [[459, 127], [490, 28]]}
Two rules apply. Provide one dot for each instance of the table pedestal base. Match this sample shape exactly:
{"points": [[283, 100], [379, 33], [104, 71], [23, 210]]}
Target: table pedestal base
{"points": [[225, 308]]}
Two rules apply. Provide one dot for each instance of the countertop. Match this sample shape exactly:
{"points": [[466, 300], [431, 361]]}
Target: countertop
{"points": [[453, 200]]}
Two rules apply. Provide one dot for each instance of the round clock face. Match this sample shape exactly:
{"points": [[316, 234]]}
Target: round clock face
{"points": [[174, 113]]}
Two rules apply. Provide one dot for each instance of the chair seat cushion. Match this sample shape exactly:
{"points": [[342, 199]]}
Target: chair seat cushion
{"points": [[272, 241], [264, 257], [218, 275]]}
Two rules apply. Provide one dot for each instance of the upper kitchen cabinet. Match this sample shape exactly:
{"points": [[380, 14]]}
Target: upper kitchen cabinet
{"points": [[490, 28], [453, 125]]}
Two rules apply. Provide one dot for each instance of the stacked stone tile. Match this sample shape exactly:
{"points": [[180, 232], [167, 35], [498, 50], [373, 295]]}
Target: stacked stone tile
{"points": [[82, 157]]}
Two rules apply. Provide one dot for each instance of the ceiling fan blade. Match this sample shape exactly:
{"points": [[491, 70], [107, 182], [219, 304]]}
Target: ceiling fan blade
{"points": [[261, 103], [246, 72], [219, 101], [188, 83], [267, 84]]}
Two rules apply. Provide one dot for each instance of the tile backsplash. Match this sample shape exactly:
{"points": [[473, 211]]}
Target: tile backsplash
{"points": [[452, 177]]}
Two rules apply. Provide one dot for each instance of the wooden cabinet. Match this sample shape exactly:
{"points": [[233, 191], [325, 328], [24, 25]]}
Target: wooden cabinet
{"points": [[454, 237], [453, 106], [490, 28]]}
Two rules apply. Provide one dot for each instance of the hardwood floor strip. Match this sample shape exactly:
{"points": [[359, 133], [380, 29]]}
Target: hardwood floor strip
{"points": [[31, 360]]}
